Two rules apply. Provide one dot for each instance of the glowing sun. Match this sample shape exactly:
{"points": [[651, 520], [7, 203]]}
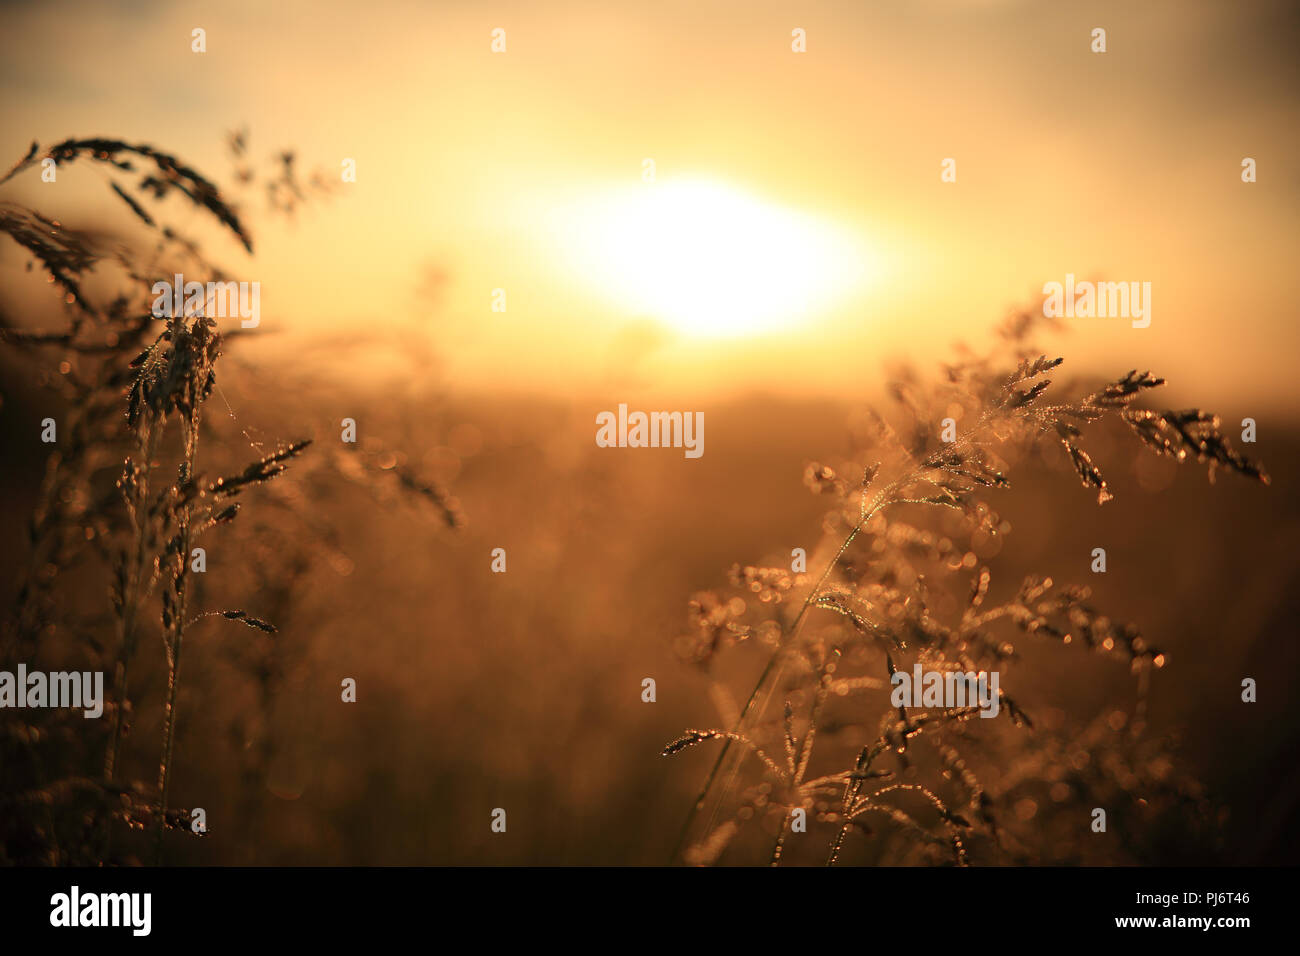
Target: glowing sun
{"points": [[708, 259]]}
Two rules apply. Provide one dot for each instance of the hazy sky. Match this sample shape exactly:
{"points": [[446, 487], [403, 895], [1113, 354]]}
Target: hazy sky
{"points": [[807, 178]]}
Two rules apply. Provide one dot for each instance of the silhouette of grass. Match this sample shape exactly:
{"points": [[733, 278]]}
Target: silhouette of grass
{"points": [[894, 543], [123, 497]]}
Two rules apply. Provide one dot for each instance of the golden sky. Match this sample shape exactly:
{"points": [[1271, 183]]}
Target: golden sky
{"points": [[797, 233]]}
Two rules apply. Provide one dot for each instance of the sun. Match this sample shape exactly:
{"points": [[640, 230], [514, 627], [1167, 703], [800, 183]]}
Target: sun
{"points": [[708, 259]]}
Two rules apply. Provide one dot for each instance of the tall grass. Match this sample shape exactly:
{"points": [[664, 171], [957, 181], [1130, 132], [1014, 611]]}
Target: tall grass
{"points": [[900, 582], [125, 499]]}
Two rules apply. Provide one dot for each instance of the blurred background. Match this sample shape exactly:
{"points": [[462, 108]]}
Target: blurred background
{"points": [[793, 245]]}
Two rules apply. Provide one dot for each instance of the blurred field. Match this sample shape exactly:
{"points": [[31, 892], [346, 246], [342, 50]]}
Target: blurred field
{"points": [[522, 690]]}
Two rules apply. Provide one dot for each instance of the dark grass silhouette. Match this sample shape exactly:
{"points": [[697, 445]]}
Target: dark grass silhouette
{"points": [[901, 584], [125, 499]]}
